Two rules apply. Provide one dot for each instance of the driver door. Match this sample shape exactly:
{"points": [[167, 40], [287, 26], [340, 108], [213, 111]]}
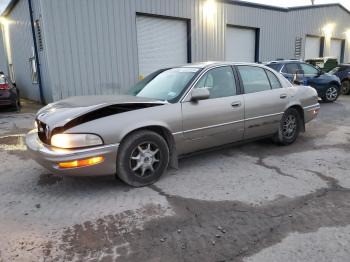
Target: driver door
{"points": [[220, 118]]}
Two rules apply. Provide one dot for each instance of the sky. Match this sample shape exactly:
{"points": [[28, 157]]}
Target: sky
{"points": [[288, 3], [284, 3]]}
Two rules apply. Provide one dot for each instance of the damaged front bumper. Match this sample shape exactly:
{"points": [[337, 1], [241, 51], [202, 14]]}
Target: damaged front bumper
{"points": [[50, 157]]}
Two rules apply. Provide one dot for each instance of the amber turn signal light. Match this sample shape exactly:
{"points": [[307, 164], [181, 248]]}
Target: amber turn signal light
{"points": [[82, 163]]}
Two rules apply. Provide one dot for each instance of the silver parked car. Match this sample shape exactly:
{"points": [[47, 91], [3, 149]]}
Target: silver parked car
{"points": [[170, 113]]}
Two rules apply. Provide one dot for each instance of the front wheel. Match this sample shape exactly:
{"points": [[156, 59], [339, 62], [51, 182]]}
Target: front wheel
{"points": [[331, 95], [142, 158], [289, 128], [345, 87]]}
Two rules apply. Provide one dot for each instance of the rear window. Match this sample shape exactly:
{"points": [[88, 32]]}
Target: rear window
{"points": [[276, 67], [290, 68]]}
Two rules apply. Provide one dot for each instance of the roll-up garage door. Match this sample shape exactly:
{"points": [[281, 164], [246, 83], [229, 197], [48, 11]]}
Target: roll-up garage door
{"points": [[336, 48], [240, 44], [312, 47], [161, 43]]}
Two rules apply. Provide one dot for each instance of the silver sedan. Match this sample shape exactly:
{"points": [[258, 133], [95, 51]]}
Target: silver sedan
{"points": [[170, 113]]}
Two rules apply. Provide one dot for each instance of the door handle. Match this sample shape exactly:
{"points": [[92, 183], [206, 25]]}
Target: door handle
{"points": [[236, 104], [283, 96]]}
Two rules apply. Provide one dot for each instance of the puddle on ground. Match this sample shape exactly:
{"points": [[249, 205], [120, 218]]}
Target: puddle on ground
{"points": [[13, 142]]}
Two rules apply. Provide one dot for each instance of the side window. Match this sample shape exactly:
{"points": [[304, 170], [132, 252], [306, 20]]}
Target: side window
{"points": [[254, 79], [308, 69], [290, 68], [275, 83], [219, 81]]}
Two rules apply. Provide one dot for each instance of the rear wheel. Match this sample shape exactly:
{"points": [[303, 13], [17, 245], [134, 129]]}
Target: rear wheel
{"points": [[331, 95], [142, 158], [345, 87], [289, 128]]}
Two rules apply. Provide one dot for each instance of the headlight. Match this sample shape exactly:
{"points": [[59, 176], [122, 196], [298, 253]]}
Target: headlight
{"points": [[75, 140]]}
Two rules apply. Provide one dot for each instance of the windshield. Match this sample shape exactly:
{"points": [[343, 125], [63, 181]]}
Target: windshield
{"points": [[166, 85]]}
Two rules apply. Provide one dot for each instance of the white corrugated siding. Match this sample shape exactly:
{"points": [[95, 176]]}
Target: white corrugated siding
{"points": [[22, 50], [93, 49], [90, 47], [3, 56]]}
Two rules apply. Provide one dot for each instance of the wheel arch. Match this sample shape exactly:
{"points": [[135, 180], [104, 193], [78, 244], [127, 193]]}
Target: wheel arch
{"points": [[301, 113], [166, 134], [334, 83]]}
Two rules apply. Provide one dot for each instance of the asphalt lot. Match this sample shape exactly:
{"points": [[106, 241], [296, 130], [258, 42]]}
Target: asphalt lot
{"points": [[254, 202]]}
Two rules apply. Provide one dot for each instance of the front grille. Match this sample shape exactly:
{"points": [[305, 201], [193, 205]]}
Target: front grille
{"points": [[43, 132]]}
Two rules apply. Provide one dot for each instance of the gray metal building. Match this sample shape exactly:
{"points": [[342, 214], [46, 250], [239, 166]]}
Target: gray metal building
{"points": [[56, 49]]}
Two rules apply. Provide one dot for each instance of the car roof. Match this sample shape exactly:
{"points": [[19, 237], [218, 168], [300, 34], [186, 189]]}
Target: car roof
{"points": [[291, 61], [202, 65]]}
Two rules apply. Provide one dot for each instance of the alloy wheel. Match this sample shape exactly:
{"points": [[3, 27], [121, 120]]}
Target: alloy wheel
{"points": [[289, 126], [332, 93], [145, 159]]}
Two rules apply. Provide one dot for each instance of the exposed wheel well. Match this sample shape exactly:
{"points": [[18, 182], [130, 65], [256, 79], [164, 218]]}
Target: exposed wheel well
{"points": [[166, 134], [301, 113]]}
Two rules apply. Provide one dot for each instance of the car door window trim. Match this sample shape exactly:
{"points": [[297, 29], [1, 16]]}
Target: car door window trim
{"points": [[199, 77]]}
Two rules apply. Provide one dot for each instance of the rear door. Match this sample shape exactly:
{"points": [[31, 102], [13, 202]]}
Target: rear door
{"points": [[265, 100], [219, 119]]}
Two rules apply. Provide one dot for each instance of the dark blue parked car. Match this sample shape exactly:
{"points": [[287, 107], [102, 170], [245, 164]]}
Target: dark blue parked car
{"points": [[328, 86], [343, 72]]}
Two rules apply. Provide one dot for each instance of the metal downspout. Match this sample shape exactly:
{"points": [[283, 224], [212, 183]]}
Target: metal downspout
{"points": [[42, 98]]}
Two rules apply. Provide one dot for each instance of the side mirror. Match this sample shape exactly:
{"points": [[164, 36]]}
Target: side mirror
{"points": [[199, 94], [298, 77]]}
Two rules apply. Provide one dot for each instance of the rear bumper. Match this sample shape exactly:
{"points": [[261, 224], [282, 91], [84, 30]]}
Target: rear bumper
{"points": [[49, 157], [311, 112], [8, 97]]}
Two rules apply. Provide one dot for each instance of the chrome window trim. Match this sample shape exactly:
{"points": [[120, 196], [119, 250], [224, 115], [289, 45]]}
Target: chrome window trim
{"points": [[213, 126], [258, 117], [227, 123]]}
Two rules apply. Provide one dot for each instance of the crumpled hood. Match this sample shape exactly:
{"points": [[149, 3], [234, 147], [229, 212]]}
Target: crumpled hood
{"points": [[60, 113]]}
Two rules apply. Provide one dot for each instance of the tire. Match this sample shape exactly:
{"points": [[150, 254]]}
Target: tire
{"points": [[289, 129], [331, 95], [138, 154], [345, 87]]}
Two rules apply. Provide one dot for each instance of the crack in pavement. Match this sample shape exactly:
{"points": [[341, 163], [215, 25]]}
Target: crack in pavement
{"points": [[245, 229], [278, 170]]}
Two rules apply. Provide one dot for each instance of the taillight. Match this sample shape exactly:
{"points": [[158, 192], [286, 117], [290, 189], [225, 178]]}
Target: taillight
{"points": [[5, 86]]}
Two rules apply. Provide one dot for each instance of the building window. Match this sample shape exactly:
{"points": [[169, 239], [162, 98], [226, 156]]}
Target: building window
{"points": [[34, 71]]}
